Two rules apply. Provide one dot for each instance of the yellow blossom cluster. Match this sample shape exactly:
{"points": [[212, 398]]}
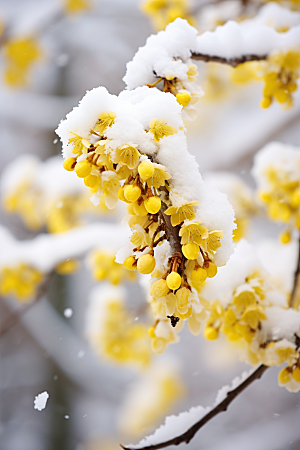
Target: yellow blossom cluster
{"points": [[186, 91], [120, 338], [20, 281], [36, 211], [163, 12], [104, 267], [280, 78], [20, 55], [282, 199], [76, 6], [125, 173], [242, 317]]}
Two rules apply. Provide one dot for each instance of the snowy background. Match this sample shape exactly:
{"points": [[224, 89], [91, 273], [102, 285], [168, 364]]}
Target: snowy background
{"points": [[46, 349]]}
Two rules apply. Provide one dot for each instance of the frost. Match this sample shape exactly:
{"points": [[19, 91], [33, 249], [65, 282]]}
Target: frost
{"points": [[40, 401]]}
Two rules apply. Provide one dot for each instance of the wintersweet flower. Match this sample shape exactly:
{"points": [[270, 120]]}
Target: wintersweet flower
{"points": [[161, 129], [181, 213], [127, 155], [193, 233], [158, 177], [105, 120]]}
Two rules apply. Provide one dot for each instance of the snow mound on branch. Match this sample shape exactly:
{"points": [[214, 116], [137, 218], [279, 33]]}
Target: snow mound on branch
{"points": [[177, 425], [134, 111]]}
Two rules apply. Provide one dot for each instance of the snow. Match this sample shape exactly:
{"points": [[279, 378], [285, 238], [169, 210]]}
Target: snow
{"points": [[170, 51], [68, 312], [242, 263], [232, 40], [166, 53], [177, 425], [45, 251], [40, 401], [282, 157]]}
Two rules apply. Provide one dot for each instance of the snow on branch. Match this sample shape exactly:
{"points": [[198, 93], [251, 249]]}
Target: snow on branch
{"points": [[168, 54], [46, 251], [190, 422]]}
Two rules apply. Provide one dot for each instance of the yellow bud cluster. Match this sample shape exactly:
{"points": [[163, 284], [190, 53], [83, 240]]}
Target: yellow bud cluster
{"points": [[104, 267], [281, 82], [120, 339], [21, 281], [282, 200], [163, 12], [241, 319]]}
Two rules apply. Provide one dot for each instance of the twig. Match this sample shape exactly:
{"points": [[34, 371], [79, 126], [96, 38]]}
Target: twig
{"points": [[14, 316], [231, 61], [221, 407], [296, 276]]}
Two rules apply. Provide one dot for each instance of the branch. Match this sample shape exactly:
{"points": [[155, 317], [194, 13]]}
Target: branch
{"points": [[221, 407], [14, 316], [296, 276], [234, 62]]}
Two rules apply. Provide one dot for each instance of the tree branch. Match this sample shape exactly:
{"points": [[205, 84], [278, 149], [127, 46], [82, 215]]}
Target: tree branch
{"points": [[234, 62], [221, 407], [296, 276]]}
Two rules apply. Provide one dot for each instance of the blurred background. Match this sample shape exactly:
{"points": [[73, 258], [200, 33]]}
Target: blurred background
{"points": [[52, 52]]}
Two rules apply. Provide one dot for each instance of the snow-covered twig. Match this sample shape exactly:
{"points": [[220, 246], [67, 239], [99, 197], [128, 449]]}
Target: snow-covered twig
{"points": [[220, 407], [234, 62]]}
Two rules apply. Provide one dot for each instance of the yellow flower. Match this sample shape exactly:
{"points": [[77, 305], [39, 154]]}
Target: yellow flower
{"points": [[20, 281], [161, 129], [180, 213], [192, 73], [80, 145], [105, 120], [193, 233], [244, 300], [140, 238], [111, 186], [76, 6], [20, 55], [159, 176], [127, 155], [212, 243]]}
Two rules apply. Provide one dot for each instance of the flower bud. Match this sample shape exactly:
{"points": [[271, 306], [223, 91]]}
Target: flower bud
{"points": [[132, 193], [191, 251], [211, 270], [198, 276], [69, 163], [91, 181], [146, 170], [152, 205], [121, 195], [139, 210], [296, 374], [159, 289], [173, 281], [285, 237], [211, 333], [146, 264], [183, 98], [284, 376], [182, 300], [83, 169], [130, 263]]}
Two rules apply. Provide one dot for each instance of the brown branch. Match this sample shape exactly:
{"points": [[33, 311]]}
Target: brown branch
{"points": [[296, 276], [221, 407], [230, 61], [14, 316], [172, 232]]}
